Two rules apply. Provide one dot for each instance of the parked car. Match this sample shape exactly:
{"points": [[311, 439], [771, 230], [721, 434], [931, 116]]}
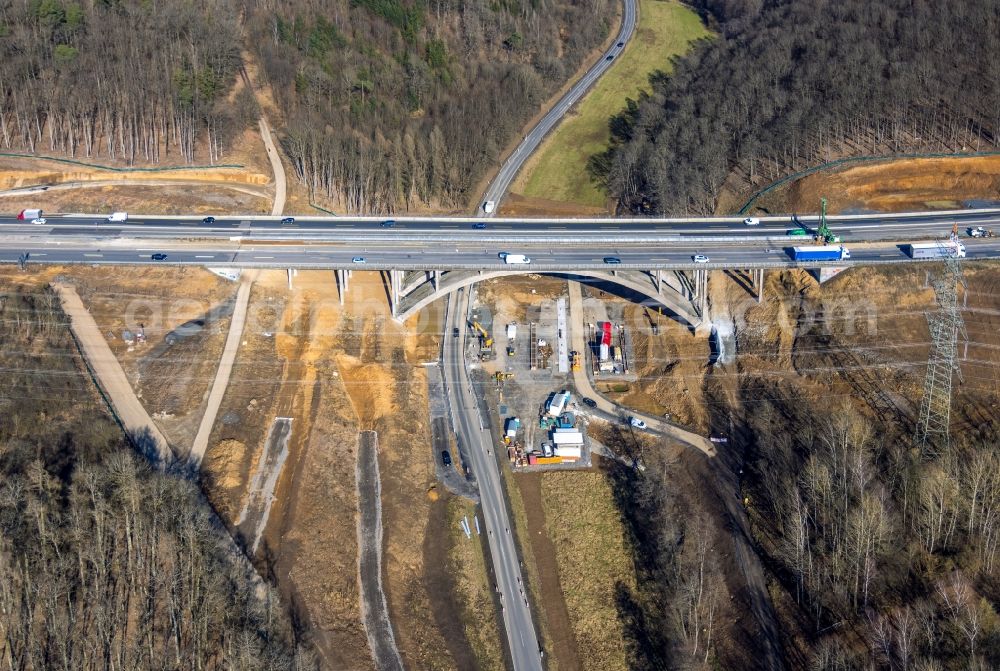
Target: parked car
{"points": [[208, 220], [288, 220], [637, 423], [751, 221], [388, 223], [159, 256], [612, 260], [359, 259], [446, 457], [589, 402], [699, 258]]}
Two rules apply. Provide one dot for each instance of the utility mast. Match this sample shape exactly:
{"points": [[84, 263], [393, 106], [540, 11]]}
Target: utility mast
{"points": [[933, 425]]}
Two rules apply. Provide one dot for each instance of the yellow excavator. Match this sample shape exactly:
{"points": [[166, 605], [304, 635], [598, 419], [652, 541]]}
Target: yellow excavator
{"points": [[485, 341]]}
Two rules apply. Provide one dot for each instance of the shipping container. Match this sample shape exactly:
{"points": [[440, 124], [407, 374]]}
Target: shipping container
{"points": [[541, 461]]}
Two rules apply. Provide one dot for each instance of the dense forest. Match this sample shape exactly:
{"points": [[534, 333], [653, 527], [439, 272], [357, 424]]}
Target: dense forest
{"points": [[105, 563], [393, 104], [119, 80], [791, 83], [386, 104]]}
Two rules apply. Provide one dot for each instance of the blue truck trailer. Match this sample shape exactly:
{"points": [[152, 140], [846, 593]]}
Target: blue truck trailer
{"points": [[821, 253]]}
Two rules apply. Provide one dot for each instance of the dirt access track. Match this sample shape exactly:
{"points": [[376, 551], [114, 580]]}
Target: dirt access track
{"points": [[892, 186]]}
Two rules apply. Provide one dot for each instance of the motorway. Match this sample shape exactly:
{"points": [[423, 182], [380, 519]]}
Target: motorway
{"points": [[498, 187], [473, 431], [550, 249], [445, 243]]}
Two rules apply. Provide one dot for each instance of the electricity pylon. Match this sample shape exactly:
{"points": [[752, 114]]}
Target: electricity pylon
{"points": [[933, 432]]}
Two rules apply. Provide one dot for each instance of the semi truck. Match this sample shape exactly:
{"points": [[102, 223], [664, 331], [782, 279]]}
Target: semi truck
{"points": [[28, 215], [936, 250], [821, 253]]}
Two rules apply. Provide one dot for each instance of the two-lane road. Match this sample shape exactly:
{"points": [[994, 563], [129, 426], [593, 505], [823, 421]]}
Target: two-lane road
{"points": [[473, 431], [498, 187]]}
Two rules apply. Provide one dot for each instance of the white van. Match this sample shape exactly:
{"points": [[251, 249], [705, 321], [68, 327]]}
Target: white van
{"points": [[516, 259], [118, 217], [489, 206]]}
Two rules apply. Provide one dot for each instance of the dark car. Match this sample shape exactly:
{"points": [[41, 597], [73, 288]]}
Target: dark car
{"points": [[388, 223], [621, 44], [446, 457], [288, 220], [589, 402], [479, 225], [159, 257], [454, 332], [610, 57], [612, 259], [208, 220]]}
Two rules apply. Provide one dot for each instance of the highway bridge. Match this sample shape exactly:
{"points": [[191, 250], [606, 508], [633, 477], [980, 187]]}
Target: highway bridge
{"points": [[426, 258]]}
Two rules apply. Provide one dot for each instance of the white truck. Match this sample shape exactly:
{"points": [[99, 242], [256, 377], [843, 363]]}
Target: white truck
{"points": [[514, 259], [489, 206], [119, 217], [936, 250], [28, 215]]}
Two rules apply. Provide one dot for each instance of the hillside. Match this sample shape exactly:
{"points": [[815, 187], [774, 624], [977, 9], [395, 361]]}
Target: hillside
{"points": [[393, 105], [792, 84], [105, 563]]}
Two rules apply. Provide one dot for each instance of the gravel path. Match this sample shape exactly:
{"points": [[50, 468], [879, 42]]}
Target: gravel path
{"points": [[223, 373], [111, 378], [374, 609]]}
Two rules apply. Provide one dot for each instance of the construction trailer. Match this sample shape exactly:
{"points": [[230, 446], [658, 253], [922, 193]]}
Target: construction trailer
{"points": [[558, 403], [569, 452], [567, 437], [604, 340]]}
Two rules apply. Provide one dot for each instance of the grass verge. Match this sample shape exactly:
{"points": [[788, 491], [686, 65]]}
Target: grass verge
{"points": [[666, 29], [594, 562], [473, 589]]}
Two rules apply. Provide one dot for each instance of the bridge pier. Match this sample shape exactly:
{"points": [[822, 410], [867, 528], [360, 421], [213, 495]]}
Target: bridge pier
{"points": [[757, 282], [343, 278], [699, 297]]}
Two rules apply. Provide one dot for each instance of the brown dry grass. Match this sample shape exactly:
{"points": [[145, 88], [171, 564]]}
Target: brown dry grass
{"points": [[593, 556], [893, 186], [475, 593]]}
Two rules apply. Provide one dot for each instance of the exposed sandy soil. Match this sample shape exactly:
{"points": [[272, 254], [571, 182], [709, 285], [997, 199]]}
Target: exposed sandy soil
{"points": [[175, 199], [171, 380], [892, 186], [337, 370]]}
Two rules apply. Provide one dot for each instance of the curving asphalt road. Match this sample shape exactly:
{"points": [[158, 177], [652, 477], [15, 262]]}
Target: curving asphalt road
{"points": [[497, 189]]}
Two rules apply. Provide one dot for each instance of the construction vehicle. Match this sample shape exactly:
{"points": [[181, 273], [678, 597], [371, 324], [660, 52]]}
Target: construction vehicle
{"points": [[502, 376], [574, 358], [979, 232], [824, 235], [485, 341]]}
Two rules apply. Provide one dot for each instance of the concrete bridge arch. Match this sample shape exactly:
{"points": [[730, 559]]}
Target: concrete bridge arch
{"points": [[681, 298]]}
